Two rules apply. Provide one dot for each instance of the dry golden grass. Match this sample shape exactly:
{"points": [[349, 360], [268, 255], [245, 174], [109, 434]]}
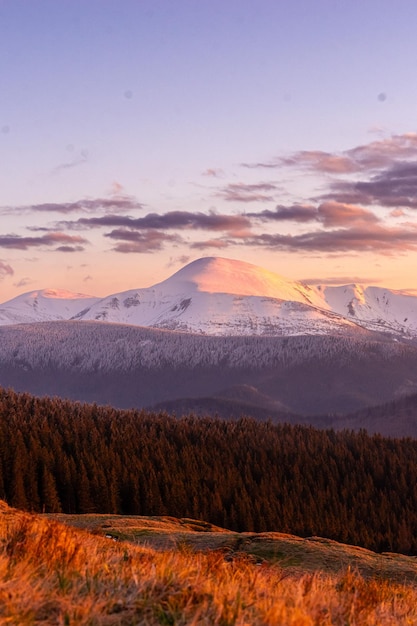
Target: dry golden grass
{"points": [[293, 553], [51, 574]]}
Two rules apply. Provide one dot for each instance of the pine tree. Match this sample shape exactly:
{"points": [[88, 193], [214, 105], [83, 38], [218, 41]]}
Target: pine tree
{"points": [[49, 492]]}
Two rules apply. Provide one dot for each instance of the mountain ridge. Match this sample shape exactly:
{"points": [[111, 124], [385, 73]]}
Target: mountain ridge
{"points": [[219, 296]]}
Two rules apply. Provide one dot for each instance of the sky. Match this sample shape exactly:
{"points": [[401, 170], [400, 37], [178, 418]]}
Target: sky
{"points": [[139, 135]]}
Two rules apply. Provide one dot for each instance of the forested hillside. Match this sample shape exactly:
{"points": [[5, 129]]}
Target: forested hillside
{"points": [[127, 366], [243, 475], [87, 346]]}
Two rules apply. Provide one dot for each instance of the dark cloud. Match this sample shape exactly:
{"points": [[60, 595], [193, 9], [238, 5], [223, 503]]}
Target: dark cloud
{"points": [[141, 242], [368, 157], [171, 220], [328, 213], [363, 237], [394, 187], [241, 192], [371, 238], [311, 159], [70, 249], [383, 153], [322, 161], [346, 217], [5, 270], [218, 244], [41, 229], [388, 168], [339, 213], [24, 243], [293, 213], [114, 204]]}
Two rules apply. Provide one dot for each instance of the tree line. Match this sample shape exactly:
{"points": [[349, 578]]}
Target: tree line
{"points": [[59, 456]]}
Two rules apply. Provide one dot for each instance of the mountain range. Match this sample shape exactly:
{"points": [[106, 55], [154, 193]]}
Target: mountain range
{"points": [[226, 338], [217, 296]]}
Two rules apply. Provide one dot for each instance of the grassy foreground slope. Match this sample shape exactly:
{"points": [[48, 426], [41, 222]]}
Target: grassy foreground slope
{"points": [[52, 573], [292, 553]]}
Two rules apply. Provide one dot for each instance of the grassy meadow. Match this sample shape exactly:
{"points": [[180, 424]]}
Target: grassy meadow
{"points": [[134, 571]]}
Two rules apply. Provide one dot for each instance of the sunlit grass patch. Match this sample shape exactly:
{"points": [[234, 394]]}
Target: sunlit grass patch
{"points": [[51, 574]]}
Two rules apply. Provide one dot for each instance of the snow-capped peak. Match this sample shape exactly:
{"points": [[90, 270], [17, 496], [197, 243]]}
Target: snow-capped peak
{"points": [[48, 294], [44, 305], [375, 308], [227, 276]]}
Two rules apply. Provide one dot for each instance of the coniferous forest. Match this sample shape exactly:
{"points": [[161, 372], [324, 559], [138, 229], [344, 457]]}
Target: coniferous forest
{"points": [[58, 456]]}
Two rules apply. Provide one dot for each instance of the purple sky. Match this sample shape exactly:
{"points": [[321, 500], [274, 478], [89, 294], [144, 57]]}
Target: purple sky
{"points": [[136, 136]]}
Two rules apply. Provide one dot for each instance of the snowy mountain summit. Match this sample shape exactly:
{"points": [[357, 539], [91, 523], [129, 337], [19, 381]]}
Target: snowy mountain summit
{"points": [[218, 296], [44, 305], [218, 275]]}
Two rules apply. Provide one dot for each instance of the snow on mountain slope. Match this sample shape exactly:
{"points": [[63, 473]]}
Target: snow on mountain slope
{"points": [[374, 308], [218, 296], [215, 313], [44, 305], [222, 297], [218, 275]]}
